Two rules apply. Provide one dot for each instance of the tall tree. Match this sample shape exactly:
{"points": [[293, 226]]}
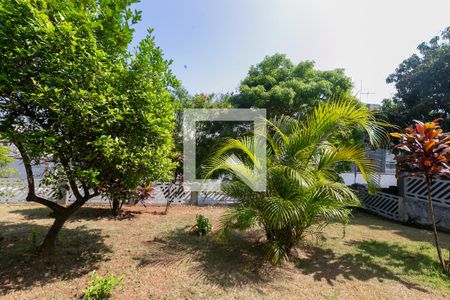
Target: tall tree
{"points": [[423, 85], [71, 91], [284, 88]]}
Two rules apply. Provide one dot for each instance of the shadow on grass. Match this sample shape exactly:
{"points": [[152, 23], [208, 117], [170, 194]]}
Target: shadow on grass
{"points": [[79, 252], [84, 213], [411, 232], [237, 262], [241, 261], [373, 259]]}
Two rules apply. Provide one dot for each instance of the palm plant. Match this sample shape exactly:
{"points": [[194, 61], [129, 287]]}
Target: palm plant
{"points": [[304, 191]]}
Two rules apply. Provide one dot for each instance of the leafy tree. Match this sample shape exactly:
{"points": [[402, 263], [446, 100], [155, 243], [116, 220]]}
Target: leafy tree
{"points": [[70, 91], [423, 85], [208, 134], [210, 101], [425, 152], [287, 89], [304, 189]]}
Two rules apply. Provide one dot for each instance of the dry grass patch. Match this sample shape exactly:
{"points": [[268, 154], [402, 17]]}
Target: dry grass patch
{"points": [[376, 259]]}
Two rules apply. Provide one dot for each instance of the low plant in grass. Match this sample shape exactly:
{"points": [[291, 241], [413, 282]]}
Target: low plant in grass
{"points": [[202, 226], [304, 191], [34, 238], [424, 152], [100, 288]]}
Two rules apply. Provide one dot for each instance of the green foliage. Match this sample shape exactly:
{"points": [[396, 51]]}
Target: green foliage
{"points": [[34, 239], [423, 90], [304, 192], [100, 288], [414, 261], [206, 131], [208, 134], [4, 161], [55, 180], [202, 225], [275, 84], [425, 152], [287, 89], [70, 89], [72, 92]]}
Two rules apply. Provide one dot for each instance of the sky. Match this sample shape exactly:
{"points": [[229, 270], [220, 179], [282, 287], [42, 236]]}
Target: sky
{"points": [[214, 42]]}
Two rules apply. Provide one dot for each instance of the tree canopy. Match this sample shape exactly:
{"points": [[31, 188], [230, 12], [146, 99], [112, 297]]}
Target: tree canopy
{"points": [[275, 84], [72, 92], [423, 85], [284, 88], [208, 134]]}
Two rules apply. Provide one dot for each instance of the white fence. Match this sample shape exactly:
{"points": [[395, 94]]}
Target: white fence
{"points": [[416, 188], [16, 190], [411, 205], [382, 204]]}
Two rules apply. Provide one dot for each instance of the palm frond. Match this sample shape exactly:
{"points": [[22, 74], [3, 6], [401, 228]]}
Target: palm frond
{"points": [[303, 181], [276, 252], [239, 218]]}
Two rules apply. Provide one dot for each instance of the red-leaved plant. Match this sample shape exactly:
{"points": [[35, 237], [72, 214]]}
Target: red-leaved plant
{"points": [[425, 152]]}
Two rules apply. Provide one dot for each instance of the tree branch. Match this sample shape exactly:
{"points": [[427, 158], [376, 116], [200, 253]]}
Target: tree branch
{"points": [[50, 204], [70, 178], [85, 190], [32, 197], [27, 164]]}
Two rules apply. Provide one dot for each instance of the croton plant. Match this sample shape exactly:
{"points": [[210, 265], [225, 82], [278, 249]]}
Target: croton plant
{"points": [[424, 150]]}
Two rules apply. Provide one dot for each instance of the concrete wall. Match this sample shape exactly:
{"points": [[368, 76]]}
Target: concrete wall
{"points": [[414, 205], [416, 212]]}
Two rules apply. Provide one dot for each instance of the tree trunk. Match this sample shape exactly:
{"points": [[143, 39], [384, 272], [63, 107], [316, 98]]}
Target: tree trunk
{"points": [[115, 207], [166, 211], [171, 195], [433, 222], [49, 244]]}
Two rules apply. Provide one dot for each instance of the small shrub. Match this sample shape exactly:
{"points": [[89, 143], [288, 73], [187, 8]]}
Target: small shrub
{"points": [[203, 226], [100, 288]]}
